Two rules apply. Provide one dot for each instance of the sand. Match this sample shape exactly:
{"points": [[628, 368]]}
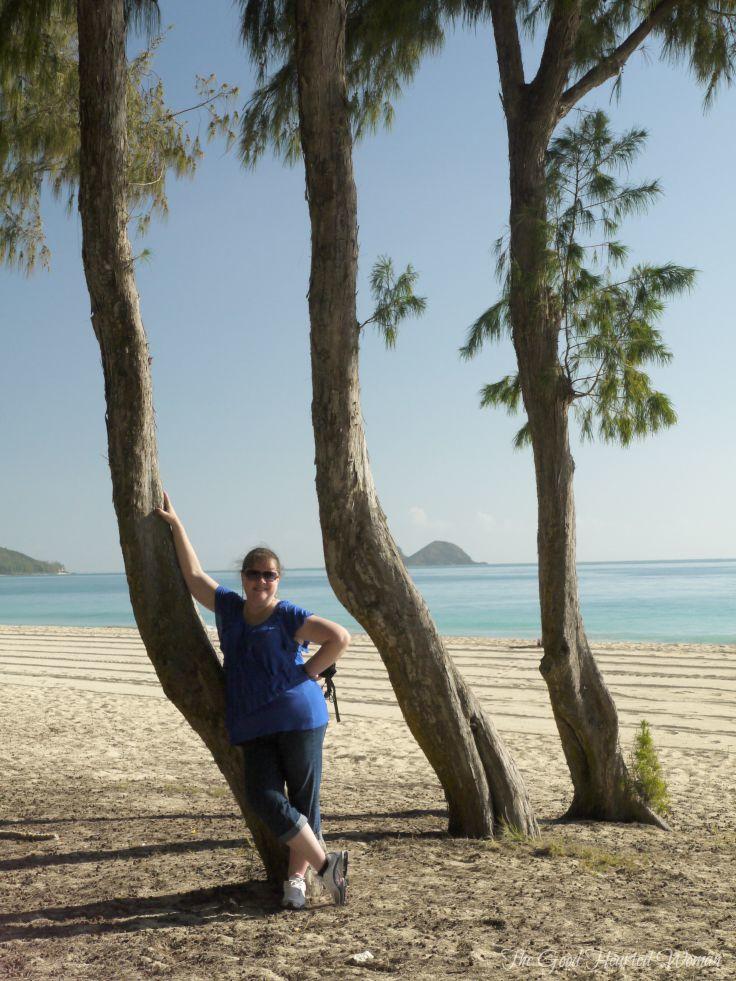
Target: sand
{"points": [[122, 854]]}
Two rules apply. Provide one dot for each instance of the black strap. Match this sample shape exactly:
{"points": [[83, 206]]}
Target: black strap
{"points": [[330, 691]]}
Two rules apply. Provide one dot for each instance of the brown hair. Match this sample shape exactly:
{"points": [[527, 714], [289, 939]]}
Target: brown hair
{"points": [[257, 555]]}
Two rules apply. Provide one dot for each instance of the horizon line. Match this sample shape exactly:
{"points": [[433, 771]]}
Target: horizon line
{"points": [[495, 565]]}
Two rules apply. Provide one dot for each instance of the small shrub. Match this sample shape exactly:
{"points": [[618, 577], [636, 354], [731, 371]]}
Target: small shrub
{"points": [[513, 833], [646, 771]]}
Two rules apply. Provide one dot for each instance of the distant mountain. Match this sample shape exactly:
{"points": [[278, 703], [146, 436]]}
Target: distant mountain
{"points": [[440, 553], [17, 564]]}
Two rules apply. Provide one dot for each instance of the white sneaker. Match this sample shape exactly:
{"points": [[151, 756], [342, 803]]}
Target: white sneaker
{"points": [[335, 877], [295, 893]]}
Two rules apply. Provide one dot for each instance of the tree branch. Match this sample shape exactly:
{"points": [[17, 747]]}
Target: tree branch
{"points": [[206, 102], [508, 52], [148, 183], [556, 60], [613, 63]]}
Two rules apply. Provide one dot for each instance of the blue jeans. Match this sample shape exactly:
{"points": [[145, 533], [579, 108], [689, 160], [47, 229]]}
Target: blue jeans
{"points": [[293, 759]]}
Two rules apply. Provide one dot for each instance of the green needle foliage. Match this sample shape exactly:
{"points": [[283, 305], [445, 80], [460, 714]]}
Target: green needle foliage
{"points": [[385, 42], [22, 24], [39, 133], [605, 318], [646, 771], [394, 298], [38, 106], [701, 33]]}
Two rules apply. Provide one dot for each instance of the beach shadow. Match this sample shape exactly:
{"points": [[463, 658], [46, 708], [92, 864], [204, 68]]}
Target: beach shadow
{"points": [[253, 899], [375, 817], [382, 835], [372, 815], [21, 822], [137, 851]]}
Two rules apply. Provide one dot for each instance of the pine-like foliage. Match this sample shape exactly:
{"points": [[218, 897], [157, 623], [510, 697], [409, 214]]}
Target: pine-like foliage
{"points": [[394, 297], [701, 33], [23, 23], [38, 110], [646, 772], [39, 132], [606, 318], [385, 42]]}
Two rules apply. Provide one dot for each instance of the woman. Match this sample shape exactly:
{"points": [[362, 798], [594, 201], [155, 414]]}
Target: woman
{"points": [[274, 706]]}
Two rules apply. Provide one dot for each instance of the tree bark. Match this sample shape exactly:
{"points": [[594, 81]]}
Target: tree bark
{"points": [[582, 705], [583, 709], [482, 785], [169, 625]]}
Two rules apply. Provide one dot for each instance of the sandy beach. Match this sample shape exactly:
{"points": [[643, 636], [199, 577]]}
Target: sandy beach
{"points": [[122, 854]]}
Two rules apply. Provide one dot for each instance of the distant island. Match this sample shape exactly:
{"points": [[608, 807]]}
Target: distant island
{"points": [[440, 553], [17, 564]]}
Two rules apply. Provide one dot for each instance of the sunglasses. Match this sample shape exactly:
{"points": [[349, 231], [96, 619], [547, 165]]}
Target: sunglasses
{"points": [[253, 575]]}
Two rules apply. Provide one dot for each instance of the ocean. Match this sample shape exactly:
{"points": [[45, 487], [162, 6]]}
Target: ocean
{"points": [[687, 601]]}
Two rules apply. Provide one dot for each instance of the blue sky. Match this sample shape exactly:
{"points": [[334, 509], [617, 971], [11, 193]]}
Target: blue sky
{"points": [[224, 303]]}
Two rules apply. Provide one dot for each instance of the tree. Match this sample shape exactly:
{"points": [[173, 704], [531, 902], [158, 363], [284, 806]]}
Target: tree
{"points": [[40, 108], [482, 785], [173, 633], [605, 334], [585, 44], [91, 120]]}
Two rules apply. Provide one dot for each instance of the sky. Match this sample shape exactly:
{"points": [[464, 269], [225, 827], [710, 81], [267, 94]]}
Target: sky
{"points": [[224, 303]]}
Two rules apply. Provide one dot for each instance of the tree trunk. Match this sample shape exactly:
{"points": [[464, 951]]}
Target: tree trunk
{"points": [[172, 631], [483, 787], [582, 705], [583, 708]]}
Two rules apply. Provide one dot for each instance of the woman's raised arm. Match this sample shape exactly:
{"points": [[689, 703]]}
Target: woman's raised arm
{"points": [[200, 585], [332, 638]]}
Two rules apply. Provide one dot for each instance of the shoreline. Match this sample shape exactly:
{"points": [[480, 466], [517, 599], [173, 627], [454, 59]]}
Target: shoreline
{"points": [[450, 639]]}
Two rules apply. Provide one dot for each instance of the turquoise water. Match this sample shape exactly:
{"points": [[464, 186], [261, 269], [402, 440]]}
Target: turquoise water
{"points": [[657, 601]]}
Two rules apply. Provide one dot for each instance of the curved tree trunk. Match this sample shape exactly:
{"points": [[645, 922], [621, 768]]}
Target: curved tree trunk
{"points": [[172, 631], [483, 787], [582, 705]]}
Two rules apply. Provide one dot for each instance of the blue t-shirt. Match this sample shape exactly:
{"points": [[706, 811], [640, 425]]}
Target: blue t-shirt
{"points": [[267, 689]]}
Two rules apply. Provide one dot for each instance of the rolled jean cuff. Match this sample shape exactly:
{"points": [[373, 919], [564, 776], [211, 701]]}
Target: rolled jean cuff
{"points": [[293, 832]]}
